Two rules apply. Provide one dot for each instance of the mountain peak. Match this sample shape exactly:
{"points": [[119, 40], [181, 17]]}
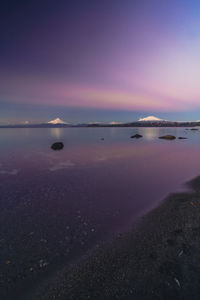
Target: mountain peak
{"points": [[57, 121], [150, 118]]}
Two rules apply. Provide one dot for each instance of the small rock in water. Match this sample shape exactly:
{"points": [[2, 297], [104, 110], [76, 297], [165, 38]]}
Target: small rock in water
{"points": [[136, 136], [43, 263], [180, 253], [57, 146], [102, 139], [182, 138], [43, 240], [177, 282], [167, 137], [194, 129]]}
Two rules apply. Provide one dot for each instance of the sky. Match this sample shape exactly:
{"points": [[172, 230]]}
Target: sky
{"points": [[108, 60]]}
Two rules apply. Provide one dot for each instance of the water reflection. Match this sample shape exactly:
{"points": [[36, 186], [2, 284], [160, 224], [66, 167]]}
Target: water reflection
{"points": [[149, 133], [56, 133]]}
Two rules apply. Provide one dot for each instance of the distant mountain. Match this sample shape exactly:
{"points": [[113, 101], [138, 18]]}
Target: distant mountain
{"points": [[115, 123], [95, 123], [150, 119], [57, 121]]}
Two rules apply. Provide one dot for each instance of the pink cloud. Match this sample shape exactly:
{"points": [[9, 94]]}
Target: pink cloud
{"points": [[38, 90]]}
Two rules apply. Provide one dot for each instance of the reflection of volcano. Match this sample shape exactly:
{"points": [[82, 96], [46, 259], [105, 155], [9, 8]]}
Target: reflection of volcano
{"points": [[149, 133], [150, 119], [56, 132], [57, 121]]}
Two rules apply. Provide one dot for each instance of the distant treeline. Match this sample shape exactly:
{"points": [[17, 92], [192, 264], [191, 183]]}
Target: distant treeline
{"points": [[132, 124]]}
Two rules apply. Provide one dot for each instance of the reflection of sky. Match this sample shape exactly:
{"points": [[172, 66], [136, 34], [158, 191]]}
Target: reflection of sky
{"points": [[122, 171], [113, 56], [84, 147]]}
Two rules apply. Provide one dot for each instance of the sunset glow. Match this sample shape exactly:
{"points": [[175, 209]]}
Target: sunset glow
{"points": [[138, 56]]}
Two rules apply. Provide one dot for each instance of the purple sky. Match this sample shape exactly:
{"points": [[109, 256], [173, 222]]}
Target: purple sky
{"points": [[113, 60]]}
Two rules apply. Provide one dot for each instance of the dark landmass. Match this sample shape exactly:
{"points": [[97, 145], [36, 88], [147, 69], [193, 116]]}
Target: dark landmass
{"points": [[130, 124], [148, 124], [159, 259]]}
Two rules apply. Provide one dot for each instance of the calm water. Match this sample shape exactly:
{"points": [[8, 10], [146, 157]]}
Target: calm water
{"points": [[55, 205]]}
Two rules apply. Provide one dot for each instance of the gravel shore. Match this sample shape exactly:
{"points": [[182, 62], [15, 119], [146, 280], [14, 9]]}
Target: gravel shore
{"points": [[158, 259]]}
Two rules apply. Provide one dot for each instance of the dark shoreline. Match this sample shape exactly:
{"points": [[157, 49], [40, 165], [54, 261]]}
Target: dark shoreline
{"points": [[164, 124], [159, 259]]}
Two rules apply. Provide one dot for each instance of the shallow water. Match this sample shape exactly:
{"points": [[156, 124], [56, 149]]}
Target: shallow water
{"points": [[55, 205]]}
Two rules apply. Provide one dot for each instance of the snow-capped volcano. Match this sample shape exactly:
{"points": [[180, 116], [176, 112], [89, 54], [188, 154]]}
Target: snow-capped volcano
{"points": [[150, 119], [57, 121]]}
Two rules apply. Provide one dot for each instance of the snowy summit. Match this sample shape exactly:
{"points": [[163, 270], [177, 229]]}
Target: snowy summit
{"points": [[57, 121], [150, 119]]}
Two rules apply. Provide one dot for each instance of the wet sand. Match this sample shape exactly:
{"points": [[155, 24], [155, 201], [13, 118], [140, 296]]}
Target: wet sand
{"points": [[158, 259]]}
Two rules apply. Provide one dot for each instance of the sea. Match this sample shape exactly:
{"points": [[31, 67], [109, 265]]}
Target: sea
{"points": [[56, 206]]}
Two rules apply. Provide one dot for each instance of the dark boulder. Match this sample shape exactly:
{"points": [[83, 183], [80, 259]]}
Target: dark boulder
{"points": [[194, 129], [136, 136], [167, 137], [57, 146], [182, 138]]}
